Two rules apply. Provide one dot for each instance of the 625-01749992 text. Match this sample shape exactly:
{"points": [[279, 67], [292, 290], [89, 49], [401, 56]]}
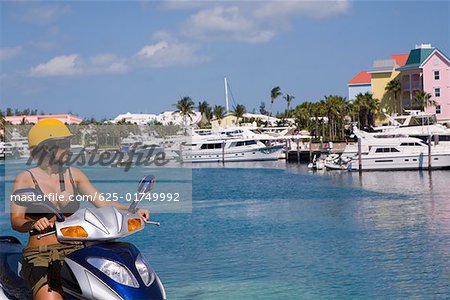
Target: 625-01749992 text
{"points": [[154, 197]]}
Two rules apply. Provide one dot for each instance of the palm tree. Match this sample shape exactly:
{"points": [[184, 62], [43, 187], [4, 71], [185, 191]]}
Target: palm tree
{"points": [[218, 112], [423, 99], [239, 112], [394, 87], [274, 94], [334, 107], [203, 107], [289, 99], [368, 107], [185, 107], [302, 115], [205, 110]]}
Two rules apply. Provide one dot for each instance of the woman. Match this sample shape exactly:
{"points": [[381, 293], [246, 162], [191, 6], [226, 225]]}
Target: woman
{"points": [[49, 141]]}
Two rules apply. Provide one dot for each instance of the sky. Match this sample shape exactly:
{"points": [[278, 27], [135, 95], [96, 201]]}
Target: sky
{"points": [[99, 59]]}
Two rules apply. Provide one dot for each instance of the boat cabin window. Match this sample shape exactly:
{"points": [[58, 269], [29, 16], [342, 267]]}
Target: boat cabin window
{"points": [[444, 138], [400, 120], [410, 144], [212, 146], [422, 120], [379, 150], [243, 143]]}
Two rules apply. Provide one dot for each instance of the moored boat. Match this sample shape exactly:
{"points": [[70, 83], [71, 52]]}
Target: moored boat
{"points": [[203, 150], [396, 152]]}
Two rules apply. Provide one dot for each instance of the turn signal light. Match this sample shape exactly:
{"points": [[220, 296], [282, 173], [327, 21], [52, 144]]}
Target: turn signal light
{"points": [[134, 224], [74, 231]]}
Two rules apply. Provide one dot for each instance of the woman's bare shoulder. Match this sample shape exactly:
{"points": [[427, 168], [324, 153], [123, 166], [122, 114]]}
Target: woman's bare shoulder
{"points": [[77, 173], [24, 180]]}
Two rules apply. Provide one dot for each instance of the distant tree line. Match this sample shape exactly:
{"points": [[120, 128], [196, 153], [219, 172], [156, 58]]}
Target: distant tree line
{"points": [[17, 112]]}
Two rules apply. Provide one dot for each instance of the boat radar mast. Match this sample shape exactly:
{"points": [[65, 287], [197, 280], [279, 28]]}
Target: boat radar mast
{"points": [[226, 94]]}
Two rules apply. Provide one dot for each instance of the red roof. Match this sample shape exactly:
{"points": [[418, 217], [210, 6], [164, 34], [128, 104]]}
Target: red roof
{"points": [[362, 78], [400, 59]]}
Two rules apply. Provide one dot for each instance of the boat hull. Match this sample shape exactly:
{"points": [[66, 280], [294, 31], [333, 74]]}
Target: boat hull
{"points": [[216, 155], [401, 162]]}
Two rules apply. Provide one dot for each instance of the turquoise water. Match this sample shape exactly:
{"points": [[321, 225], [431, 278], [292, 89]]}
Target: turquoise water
{"points": [[277, 231]]}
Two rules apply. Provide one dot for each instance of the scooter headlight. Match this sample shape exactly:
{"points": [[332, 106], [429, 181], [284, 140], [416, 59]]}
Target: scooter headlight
{"points": [[147, 274], [114, 270]]}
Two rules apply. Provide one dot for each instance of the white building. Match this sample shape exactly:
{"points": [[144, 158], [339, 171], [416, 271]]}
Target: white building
{"points": [[174, 118], [231, 121], [165, 118], [140, 119]]}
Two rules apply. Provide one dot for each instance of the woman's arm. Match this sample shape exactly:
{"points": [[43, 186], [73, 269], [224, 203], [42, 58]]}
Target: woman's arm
{"points": [[18, 220], [86, 188]]}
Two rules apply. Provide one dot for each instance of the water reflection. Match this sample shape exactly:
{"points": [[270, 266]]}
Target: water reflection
{"points": [[278, 231]]}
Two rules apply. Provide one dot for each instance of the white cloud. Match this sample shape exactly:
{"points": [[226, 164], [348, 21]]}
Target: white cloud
{"points": [[250, 21], [226, 23], [151, 50], [10, 53], [165, 53], [59, 65], [69, 65], [169, 54]]}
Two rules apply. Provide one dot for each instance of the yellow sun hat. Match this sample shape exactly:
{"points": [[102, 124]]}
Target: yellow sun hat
{"points": [[48, 129]]}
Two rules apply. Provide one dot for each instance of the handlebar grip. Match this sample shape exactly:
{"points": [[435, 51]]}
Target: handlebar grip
{"points": [[34, 231]]}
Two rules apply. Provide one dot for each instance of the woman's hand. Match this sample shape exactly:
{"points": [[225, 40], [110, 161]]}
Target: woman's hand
{"points": [[144, 214], [42, 224]]}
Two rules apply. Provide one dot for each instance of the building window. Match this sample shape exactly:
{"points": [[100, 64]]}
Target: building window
{"points": [[436, 75], [437, 92], [438, 109]]}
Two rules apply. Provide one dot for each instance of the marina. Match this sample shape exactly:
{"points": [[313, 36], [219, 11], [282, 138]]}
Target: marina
{"points": [[216, 150]]}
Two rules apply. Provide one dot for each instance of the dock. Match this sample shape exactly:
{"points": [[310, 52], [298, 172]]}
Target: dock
{"points": [[306, 153]]}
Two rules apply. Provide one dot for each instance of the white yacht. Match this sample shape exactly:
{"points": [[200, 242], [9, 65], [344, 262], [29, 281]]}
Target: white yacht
{"points": [[395, 152], [227, 150], [15, 146], [416, 124], [2, 150], [234, 132]]}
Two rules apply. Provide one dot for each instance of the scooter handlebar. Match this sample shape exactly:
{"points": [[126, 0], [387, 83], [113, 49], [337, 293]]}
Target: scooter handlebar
{"points": [[48, 231], [152, 222], [46, 234]]}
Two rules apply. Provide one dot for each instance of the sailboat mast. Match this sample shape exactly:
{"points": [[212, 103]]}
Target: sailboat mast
{"points": [[226, 95]]}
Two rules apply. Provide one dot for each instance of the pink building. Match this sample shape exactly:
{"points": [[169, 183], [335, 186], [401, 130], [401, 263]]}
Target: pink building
{"points": [[66, 118], [427, 69]]}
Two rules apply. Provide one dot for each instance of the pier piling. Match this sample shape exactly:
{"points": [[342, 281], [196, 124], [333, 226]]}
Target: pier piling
{"points": [[359, 156], [429, 153]]}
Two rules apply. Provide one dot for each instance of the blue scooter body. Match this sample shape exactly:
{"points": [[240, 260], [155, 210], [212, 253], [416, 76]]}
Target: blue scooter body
{"points": [[77, 265], [73, 274]]}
